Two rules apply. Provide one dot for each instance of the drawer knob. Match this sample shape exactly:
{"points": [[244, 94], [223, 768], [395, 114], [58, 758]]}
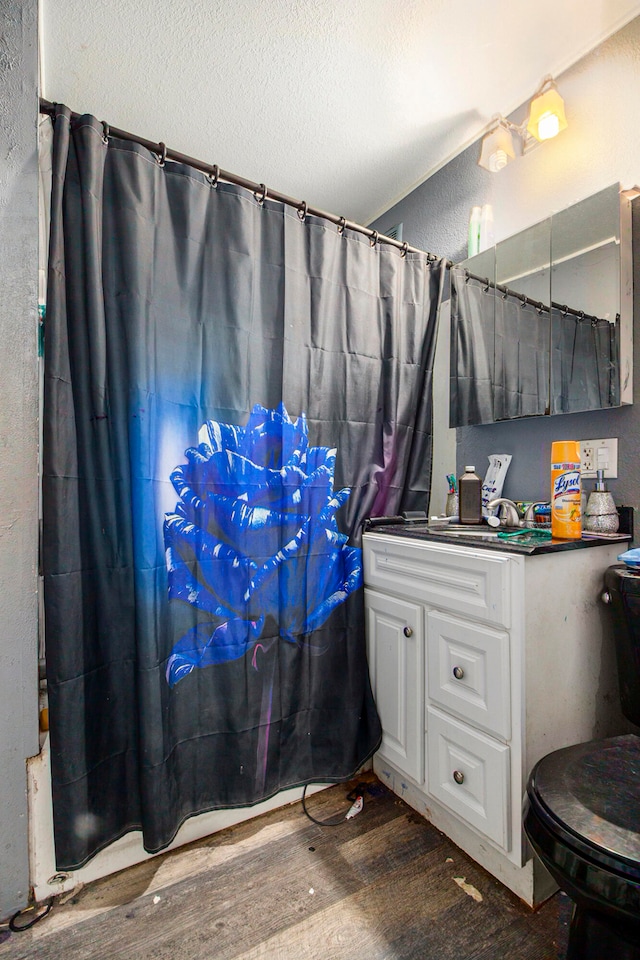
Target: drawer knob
{"points": [[458, 776], [458, 673], [408, 632]]}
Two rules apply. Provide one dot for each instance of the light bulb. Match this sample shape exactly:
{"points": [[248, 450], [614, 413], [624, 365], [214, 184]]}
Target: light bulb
{"points": [[546, 114], [498, 160], [548, 126], [497, 149]]}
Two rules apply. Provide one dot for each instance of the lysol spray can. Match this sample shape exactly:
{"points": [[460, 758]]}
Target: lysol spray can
{"points": [[566, 503]]}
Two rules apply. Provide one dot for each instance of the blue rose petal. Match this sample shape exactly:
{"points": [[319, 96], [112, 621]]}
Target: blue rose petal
{"points": [[350, 580], [224, 571], [254, 534], [201, 646], [272, 434]]}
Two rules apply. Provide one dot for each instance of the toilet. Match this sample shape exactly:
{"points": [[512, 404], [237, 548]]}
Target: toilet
{"points": [[582, 807]]}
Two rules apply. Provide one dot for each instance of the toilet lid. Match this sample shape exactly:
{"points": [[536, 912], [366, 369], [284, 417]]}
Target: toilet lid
{"points": [[590, 794]]}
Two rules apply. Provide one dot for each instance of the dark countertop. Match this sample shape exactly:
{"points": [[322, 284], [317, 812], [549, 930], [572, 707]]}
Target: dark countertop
{"points": [[421, 530]]}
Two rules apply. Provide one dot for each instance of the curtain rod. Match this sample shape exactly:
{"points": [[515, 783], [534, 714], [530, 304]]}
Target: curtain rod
{"points": [[538, 304], [260, 191], [263, 193]]}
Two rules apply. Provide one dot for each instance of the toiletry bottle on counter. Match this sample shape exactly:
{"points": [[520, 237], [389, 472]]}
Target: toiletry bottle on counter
{"points": [[470, 496], [566, 499]]}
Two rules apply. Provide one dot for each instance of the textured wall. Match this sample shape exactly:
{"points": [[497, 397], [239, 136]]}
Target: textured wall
{"points": [[18, 438], [600, 146]]}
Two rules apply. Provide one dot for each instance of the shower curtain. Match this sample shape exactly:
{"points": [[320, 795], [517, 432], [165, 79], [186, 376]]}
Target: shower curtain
{"points": [[500, 348], [231, 387], [522, 358], [585, 363], [473, 333], [511, 358]]}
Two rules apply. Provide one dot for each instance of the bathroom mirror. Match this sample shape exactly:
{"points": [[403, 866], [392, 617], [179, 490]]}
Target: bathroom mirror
{"points": [[541, 323]]}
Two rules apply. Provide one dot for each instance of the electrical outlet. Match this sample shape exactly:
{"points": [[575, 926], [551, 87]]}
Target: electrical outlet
{"points": [[599, 455], [587, 458]]}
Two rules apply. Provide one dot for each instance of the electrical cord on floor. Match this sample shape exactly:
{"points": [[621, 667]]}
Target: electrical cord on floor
{"points": [[16, 927], [354, 796]]}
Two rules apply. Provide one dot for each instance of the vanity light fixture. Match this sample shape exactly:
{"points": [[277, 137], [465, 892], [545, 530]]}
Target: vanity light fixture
{"points": [[546, 112], [546, 119], [498, 147]]}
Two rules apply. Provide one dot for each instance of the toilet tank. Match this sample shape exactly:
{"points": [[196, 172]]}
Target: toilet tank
{"points": [[623, 587]]}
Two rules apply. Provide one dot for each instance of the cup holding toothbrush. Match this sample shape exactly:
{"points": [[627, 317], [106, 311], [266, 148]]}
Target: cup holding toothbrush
{"points": [[452, 507]]}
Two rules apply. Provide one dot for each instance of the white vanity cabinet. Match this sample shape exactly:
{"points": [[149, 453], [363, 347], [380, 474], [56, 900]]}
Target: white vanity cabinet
{"points": [[482, 661]]}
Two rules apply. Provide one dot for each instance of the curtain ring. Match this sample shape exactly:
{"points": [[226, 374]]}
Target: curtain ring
{"points": [[373, 239], [261, 197], [105, 131], [302, 211], [403, 251], [523, 300], [214, 176], [341, 225], [564, 310], [580, 316], [467, 276], [161, 156], [487, 285]]}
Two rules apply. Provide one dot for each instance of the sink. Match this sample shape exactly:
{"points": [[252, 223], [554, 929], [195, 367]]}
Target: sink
{"points": [[462, 530], [481, 535], [452, 530]]}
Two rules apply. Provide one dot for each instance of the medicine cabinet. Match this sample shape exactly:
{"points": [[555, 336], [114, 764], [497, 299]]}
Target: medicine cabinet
{"points": [[541, 323]]}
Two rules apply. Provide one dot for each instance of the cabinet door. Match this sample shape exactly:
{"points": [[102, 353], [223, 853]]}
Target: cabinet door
{"points": [[396, 662], [468, 671]]}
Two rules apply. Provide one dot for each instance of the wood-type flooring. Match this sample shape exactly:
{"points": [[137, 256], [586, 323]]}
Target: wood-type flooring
{"points": [[385, 885]]}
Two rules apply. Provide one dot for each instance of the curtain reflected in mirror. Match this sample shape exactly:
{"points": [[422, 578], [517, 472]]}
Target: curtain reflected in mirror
{"points": [[522, 359], [585, 364], [585, 283], [522, 295], [473, 343], [541, 323]]}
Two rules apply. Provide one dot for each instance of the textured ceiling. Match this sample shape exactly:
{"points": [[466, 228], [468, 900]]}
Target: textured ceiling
{"points": [[347, 104]]}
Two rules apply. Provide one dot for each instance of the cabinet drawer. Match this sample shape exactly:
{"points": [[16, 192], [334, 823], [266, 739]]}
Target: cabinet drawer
{"points": [[468, 772], [395, 647], [451, 579], [468, 672]]}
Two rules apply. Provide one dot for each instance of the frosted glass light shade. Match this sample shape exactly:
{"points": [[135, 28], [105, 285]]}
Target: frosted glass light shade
{"points": [[497, 149], [546, 115]]}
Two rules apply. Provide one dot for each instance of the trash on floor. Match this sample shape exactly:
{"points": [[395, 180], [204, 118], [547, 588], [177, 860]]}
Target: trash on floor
{"points": [[469, 889]]}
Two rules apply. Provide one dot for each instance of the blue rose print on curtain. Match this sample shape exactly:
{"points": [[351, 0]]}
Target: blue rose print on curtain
{"points": [[253, 536]]}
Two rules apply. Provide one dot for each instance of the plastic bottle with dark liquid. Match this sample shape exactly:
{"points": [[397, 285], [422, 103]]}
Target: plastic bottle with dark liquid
{"points": [[470, 496]]}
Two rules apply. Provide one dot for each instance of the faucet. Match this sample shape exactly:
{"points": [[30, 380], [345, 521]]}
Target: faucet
{"points": [[508, 512], [529, 512]]}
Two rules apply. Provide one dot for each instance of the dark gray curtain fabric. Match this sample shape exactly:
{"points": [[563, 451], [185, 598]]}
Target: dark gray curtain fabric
{"points": [[229, 392], [522, 359], [585, 366], [499, 354], [510, 359], [473, 336]]}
